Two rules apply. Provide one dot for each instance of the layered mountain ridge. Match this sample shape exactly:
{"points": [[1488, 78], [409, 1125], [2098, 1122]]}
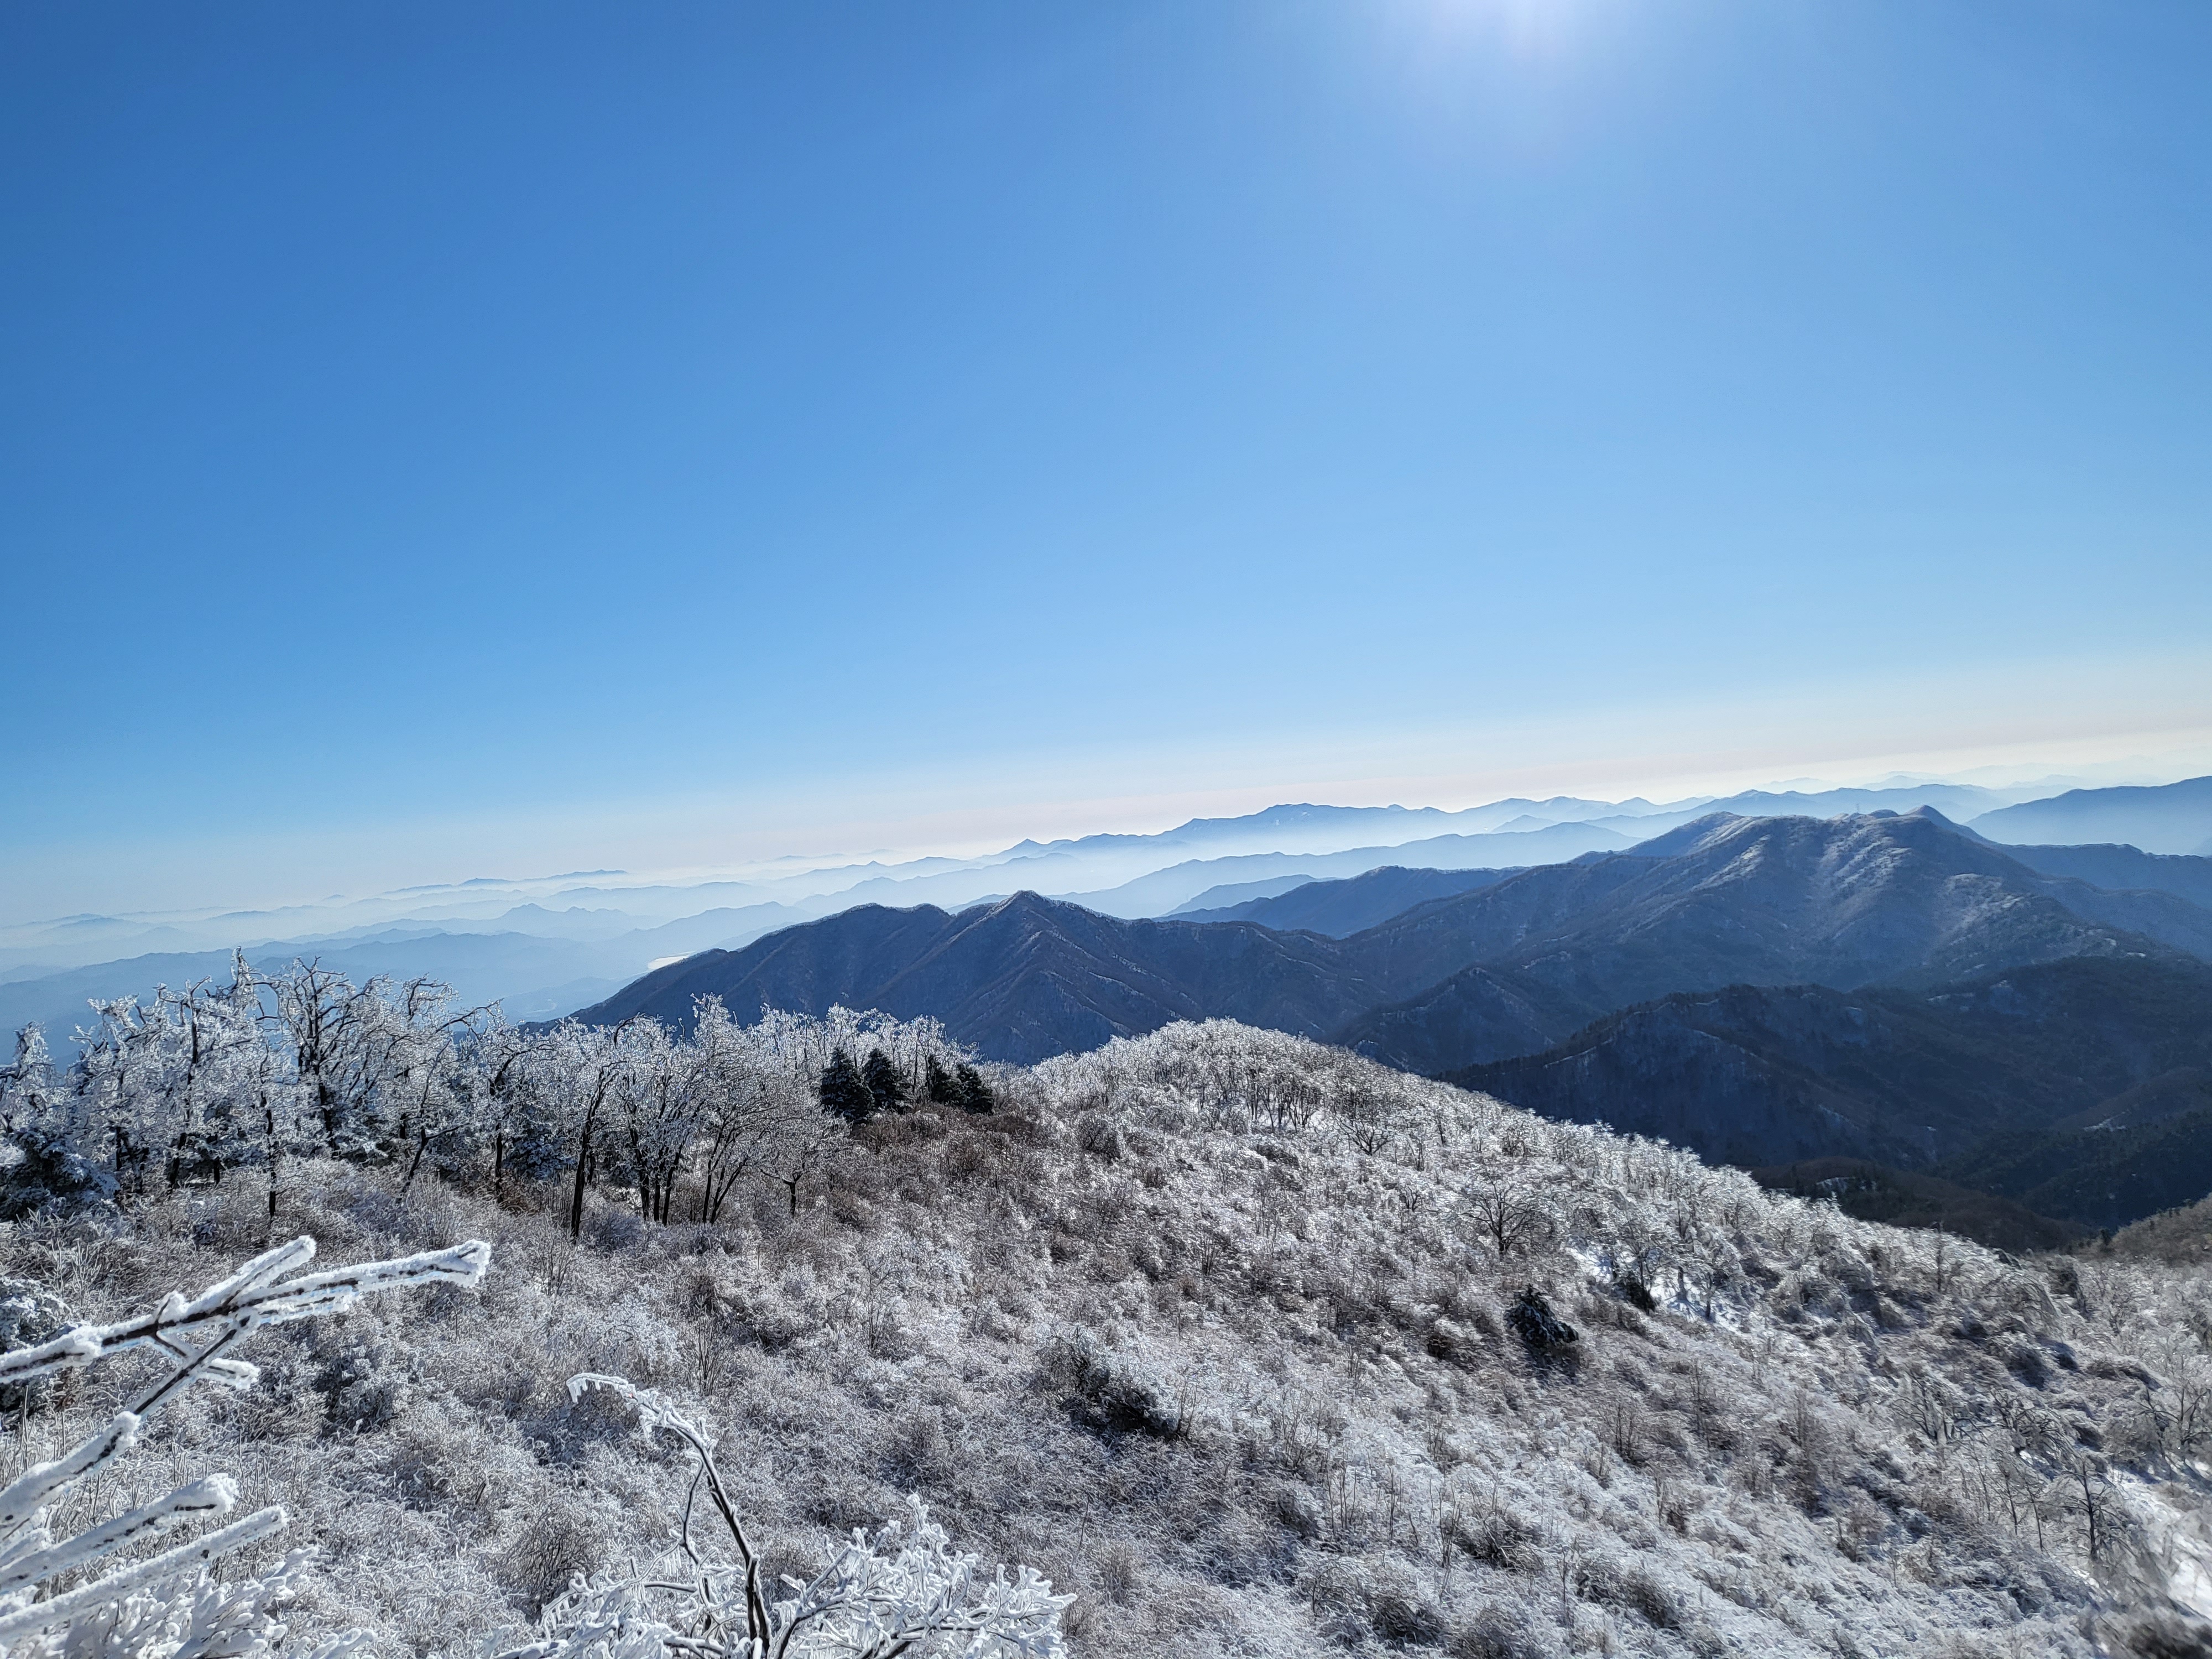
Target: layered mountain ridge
{"points": [[1845, 902], [1879, 986], [589, 930]]}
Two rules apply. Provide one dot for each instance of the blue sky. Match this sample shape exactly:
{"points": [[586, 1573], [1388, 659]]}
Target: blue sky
{"points": [[440, 438]]}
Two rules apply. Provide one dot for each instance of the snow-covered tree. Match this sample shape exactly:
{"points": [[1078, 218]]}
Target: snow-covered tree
{"points": [[369, 1058], [756, 1106], [661, 1096], [49, 1130]]}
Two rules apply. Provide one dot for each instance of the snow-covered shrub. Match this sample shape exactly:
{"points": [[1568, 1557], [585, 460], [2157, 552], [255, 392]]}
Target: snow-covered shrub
{"points": [[1492, 1531], [1106, 1389], [29, 1315], [362, 1375], [904, 1591], [1504, 1631]]}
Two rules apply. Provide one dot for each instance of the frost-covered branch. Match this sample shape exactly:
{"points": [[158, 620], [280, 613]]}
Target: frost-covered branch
{"points": [[907, 1590], [904, 1592], [654, 1412], [140, 1607], [249, 1298]]}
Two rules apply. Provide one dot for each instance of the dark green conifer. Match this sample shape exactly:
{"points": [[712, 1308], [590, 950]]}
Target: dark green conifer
{"points": [[884, 1082], [942, 1088], [844, 1091], [975, 1095]]}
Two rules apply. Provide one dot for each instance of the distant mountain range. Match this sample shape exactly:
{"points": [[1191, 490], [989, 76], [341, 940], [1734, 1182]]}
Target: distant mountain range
{"points": [[1513, 963], [1342, 908], [1892, 988], [1557, 936], [2174, 818], [1841, 902], [1119, 874], [1165, 892]]}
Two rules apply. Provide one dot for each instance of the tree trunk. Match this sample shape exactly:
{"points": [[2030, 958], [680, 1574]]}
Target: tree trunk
{"points": [[583, 1176], [269, 1125], [577, 1199]]}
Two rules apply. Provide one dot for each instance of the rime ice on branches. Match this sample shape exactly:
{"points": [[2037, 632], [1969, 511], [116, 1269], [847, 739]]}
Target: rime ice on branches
{"points": [[167, 1603]]}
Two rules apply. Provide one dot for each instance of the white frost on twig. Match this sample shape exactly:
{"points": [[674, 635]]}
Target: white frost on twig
{"points": [[165, 1604]]}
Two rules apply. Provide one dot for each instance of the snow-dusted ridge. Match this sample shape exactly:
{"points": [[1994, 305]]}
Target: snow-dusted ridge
{"points": [[1209, 1327]]}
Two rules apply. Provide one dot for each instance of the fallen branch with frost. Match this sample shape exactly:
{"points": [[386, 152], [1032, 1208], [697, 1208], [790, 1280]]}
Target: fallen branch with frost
{"points": [[904, 1592], [166, 1604]]}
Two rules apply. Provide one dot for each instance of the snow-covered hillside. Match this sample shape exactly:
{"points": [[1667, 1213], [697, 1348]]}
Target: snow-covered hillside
{"points": [[1232, 1336]]}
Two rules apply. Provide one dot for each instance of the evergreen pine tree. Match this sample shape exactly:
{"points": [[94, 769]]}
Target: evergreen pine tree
{"points": [[940, 1085], [975, 1095], [884, 1083], [843, 1091]]}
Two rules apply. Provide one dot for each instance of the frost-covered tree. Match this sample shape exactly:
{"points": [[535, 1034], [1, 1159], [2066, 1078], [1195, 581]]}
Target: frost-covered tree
{"points": [[501, 1099], [170, 1083], [49, 1130], [759, 1112], [200, 1081], [367, 1057], [1511, 1212], [661, 1094], [582, 1070], [309, 1010]]}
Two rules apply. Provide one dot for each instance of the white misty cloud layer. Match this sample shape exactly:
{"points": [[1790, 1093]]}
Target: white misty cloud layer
{"points": [[2062, 721]]}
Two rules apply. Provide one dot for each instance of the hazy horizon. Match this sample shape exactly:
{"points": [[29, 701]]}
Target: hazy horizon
{"points": [[1163, 816]]}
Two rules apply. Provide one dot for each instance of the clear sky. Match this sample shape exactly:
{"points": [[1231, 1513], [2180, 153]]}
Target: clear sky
{"points": [[438, 439]]}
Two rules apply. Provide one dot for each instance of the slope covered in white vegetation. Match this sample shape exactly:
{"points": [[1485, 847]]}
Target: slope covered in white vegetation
{"points": [[1231, 1337]]}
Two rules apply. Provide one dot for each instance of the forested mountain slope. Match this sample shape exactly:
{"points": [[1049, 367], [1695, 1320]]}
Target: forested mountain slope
{"points": [[1509, 968], [1843, 902], [1919, 1078], [1022, 979], [1227, 1334], [1342, 908], [2106, 1176]]}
